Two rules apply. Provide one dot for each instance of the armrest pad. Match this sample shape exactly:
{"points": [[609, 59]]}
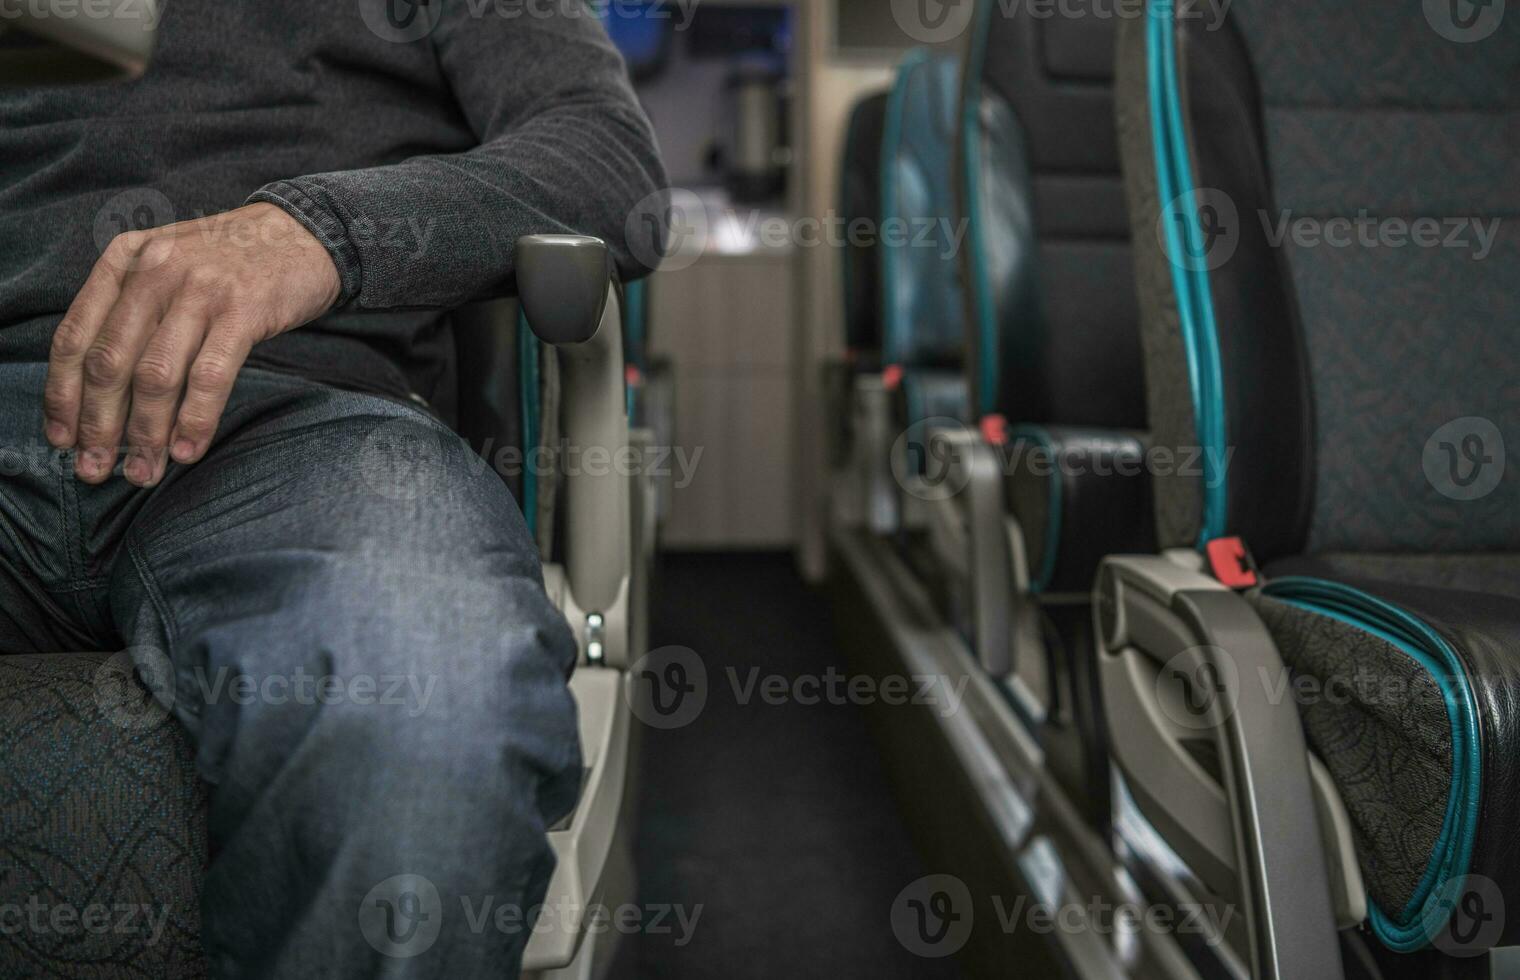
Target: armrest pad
{"points": [[1079, 494]]}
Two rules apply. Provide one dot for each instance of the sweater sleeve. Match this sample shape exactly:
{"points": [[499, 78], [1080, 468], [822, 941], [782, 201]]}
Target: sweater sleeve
{"points": [[564, 147]]}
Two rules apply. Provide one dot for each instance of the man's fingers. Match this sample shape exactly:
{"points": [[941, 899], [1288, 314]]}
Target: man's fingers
{"points": [[158, 382], [72, 340], [107, 389], [207, 388]]}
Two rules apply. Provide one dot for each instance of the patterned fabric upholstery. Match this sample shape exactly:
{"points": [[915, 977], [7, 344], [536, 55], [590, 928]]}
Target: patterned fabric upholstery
{"points": [[1391, 758], [1374, 112], [101, 812]]}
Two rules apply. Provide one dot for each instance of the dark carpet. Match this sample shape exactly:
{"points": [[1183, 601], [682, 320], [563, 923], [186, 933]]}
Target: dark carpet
{"points": [[776, 820]]}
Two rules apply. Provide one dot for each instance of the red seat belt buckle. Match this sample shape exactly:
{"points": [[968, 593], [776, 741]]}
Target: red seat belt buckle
{"points": [[1232, 564], [995, 429]]}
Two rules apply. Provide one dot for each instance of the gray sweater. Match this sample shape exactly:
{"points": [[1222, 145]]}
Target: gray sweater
{"points": [[417, 151]]}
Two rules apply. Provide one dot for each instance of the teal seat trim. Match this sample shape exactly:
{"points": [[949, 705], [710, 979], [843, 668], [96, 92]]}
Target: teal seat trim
{"points": [[635, 318], [1039, 579], [971, 170], [528, 351], [1425, 916], [1195, 302]]}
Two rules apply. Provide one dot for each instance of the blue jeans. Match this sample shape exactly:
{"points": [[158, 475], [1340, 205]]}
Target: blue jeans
{"points": [[342, 607]]}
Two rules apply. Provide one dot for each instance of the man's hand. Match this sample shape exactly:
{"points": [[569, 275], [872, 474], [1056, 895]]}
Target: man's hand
{"points": [[154, 340]]}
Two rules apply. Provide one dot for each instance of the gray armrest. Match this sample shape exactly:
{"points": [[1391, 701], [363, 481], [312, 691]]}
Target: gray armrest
{"points": [[565, 282], [120, 41]]}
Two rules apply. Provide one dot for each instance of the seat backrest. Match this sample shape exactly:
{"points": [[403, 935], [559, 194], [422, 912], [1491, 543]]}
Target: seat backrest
{"points": [[1321, 197], [922, 309], [1055, 330], [860, 209]]}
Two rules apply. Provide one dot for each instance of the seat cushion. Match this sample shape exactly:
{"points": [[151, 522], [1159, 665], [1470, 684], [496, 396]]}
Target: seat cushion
{"points": [[1408, 687], [100, 809], [1079, 495]]}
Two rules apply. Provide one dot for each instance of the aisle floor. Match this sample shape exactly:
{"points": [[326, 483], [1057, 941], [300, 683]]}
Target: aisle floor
{"points": [[776, 820]]}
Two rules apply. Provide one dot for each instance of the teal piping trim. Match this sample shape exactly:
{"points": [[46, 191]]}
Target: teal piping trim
{"points": [[1041, 581], [893, 329], [528, 397], [635, 299], [971, 174], [1429, 907], [1195, 302], [637, 302]]}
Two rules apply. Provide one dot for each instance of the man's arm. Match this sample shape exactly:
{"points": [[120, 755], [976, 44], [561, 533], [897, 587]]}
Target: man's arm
{"points": [[153, 342], [565, 148]]}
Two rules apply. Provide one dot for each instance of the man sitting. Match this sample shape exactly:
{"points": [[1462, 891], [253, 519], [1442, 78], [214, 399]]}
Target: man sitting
{"points": [[222, 304]]}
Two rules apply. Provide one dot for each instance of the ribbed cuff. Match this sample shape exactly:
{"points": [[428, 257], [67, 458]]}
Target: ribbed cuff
{"points": [[324, 226]]}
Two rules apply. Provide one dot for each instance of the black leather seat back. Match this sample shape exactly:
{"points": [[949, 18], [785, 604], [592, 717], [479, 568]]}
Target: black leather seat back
{"points": [[860, 207], [1323, 206], [1052, 305]]}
